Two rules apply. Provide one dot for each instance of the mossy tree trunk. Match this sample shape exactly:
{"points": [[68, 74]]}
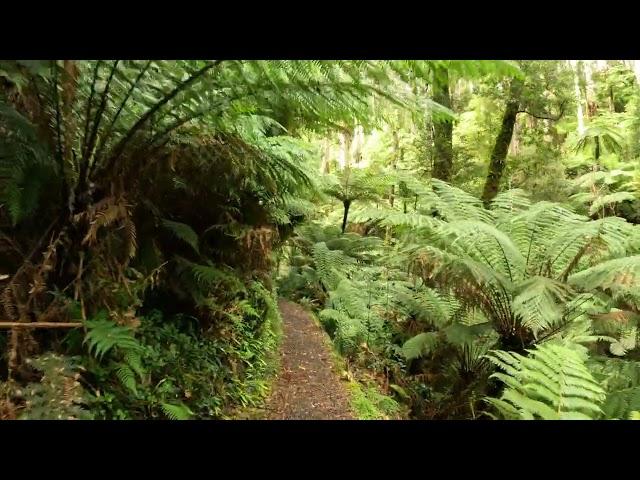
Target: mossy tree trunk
{"points": [[498, 158], [443, 129]]}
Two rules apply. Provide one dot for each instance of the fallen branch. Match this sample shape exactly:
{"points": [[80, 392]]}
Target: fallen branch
{"points": [[40, 324]]}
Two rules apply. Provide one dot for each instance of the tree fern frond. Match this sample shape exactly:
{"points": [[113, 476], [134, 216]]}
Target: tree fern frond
{"points": [[553, 383], [419, 345], [539, 302], [610, 199]]}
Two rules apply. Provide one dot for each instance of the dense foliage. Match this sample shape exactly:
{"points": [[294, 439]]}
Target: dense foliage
{"points": [[465, 231]]}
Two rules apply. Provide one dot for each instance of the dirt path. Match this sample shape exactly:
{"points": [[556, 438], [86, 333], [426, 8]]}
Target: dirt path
{"points": [[307, 387]]}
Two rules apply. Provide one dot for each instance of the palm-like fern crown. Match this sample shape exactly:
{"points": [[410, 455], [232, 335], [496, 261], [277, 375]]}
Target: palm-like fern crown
{"points": [[533, 270], [600, 189], [602, 133]]}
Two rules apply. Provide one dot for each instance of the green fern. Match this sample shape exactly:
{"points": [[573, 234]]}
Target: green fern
{"points": [[420, 345], [552, 383], [208, 277], [27, 169], [127, 377], [610, 199], [184, 232], [329, 264], [176, 411], [134, 361], [621, 381], [538, 301], [104, 336]]}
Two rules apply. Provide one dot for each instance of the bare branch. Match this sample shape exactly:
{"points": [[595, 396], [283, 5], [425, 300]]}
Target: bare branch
{"points": [[547, 117], [40, 325]]}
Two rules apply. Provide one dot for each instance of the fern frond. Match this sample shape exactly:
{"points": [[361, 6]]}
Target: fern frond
{"points": [[420, 345], [552, 383], [104, 335], [176, 411], [127, 378], [539, 302], [610, 199], [184, 232]]}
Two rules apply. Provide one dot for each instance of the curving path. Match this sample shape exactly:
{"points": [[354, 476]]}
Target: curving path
{"points": [[307, 387]]}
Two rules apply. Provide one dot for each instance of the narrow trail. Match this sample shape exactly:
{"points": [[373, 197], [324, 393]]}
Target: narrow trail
{"points": [[307, 387]]}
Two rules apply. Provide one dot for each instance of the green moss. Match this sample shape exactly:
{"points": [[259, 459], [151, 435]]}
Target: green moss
{"points": [[369, 404]]}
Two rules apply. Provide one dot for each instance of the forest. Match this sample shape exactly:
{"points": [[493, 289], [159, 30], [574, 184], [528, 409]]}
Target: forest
{"points": [[306, 239]]}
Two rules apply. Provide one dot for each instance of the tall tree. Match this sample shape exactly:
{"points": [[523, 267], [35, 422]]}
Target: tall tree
{"points": [[325, 167], [530, 96], [443, 128], [577, 64], [501, 146]]}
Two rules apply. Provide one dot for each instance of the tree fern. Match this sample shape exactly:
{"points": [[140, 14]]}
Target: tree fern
{"points": [[328, 264], [619, 276], [524, 268], [539, 301], [610, 199]]}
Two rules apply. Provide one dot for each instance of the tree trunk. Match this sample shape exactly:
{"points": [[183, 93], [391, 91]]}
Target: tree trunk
{"points": [[345, 149], [612, 100], [578, 93], [443, 129], [325, 168], [394, 164], [514, 146], [397, 155], [590, 96], [347, 204], [357, 144], [499, 154]]}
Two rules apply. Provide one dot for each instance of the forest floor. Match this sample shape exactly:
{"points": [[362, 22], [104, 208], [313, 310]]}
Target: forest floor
{"points": [[308, 386]]}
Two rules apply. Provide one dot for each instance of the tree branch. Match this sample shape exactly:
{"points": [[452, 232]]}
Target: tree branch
{"points": [[547, 117], [40, 325]]}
